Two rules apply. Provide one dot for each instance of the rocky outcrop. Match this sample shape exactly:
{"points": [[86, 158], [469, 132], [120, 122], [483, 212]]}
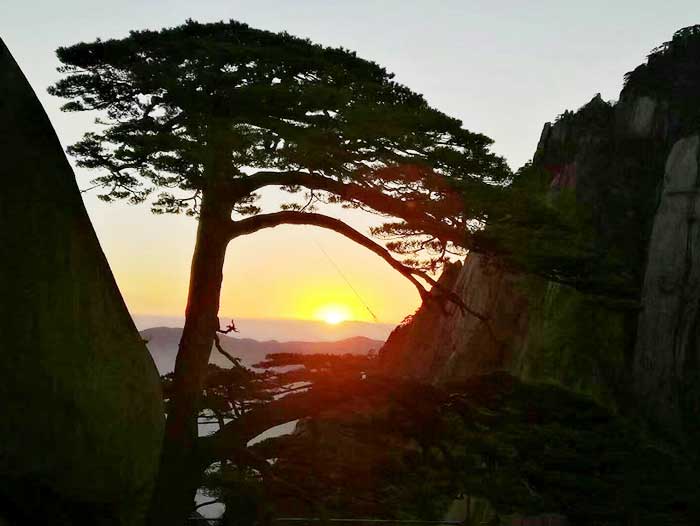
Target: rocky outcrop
{"points": [[535, 329], [667, 346], [82, 415], [630, 336], [442, 342]]}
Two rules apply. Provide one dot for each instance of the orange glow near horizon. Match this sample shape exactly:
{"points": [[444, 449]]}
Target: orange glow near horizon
{"points": [[275, 274]]}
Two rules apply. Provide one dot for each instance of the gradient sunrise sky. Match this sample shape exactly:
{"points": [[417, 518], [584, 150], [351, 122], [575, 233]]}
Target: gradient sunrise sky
{"points": [[503, 67]]}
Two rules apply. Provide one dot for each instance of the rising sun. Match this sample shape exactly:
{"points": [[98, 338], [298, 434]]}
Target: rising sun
{"points": [[333, 314]]}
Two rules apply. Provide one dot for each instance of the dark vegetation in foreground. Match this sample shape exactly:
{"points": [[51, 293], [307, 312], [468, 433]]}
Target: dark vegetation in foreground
{"points": [[386, 448]]}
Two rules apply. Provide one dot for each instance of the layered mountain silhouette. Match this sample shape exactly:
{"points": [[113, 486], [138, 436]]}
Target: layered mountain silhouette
{"points": [[163, 344], [284, 330]]}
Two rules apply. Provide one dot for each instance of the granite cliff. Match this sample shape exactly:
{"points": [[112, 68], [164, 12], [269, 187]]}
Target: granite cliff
{"points": [[632, 165], [82, 411]]}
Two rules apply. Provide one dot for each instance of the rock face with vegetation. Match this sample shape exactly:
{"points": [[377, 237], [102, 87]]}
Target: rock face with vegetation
{"points": [[667, 347], [625, 331], [448, 344], [82, 413]]}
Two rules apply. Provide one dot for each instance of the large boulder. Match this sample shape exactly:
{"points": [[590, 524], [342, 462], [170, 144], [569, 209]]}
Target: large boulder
{"points": [[667, 349], [81, 419]]}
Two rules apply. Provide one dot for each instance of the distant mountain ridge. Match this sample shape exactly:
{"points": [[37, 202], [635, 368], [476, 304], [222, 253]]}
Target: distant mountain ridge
{"points": [[283, 330], [163, 342]]}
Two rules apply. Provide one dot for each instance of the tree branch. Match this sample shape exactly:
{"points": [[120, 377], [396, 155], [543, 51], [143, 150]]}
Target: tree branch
{"points": [[206, 503], [292, 217], [236, 434], [217, 343], [376, 199]]}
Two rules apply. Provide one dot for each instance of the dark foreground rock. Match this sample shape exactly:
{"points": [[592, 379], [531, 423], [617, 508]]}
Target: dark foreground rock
{"points": [[81, 416]]}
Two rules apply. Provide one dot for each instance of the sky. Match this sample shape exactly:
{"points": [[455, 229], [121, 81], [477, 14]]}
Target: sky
{"points": [[503, 67]]}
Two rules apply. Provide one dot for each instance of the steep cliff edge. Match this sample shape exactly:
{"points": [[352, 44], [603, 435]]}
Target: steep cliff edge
{"points": [[632, 166], [82, 411], [667, 347], [442, 343]]}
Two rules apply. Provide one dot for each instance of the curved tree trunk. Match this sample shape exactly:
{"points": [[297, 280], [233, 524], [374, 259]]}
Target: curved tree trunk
{"points": [[181, 463]]}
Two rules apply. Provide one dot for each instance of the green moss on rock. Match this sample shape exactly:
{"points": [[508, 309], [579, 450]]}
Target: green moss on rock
{"points": [[575, 340]]}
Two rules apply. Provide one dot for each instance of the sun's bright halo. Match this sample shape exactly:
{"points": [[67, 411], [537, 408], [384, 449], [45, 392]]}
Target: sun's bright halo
{"points": [[334, 317], [333, 314]]}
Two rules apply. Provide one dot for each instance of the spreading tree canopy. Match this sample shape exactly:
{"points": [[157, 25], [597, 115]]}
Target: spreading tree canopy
{"points": [[200, 118], [229, 109]]}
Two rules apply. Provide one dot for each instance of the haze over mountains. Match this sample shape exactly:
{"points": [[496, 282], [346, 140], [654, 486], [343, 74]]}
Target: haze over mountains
{"points": [[280, 329], [163, 342]]}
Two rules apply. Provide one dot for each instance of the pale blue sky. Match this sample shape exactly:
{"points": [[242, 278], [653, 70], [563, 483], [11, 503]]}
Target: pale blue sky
{"points": [[503, 67]]}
